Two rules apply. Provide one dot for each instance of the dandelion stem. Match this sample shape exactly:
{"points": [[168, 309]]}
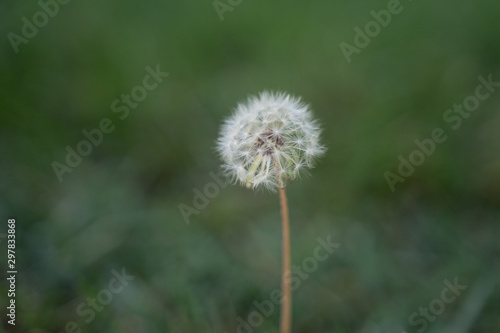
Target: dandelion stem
{"points": [[286, 300]]}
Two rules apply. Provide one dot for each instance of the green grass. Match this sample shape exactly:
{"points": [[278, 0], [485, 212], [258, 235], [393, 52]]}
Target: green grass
{"points": [[120, 207]]}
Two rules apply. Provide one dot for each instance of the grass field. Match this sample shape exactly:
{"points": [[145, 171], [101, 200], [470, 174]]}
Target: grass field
{"points": [[101, 242]]}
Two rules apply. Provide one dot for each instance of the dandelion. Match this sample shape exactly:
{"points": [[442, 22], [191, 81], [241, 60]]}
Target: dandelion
{"points": [[268, 141]]}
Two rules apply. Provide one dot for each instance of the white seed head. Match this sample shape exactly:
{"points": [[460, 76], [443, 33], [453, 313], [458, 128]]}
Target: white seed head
{"points": [[268, 140]]}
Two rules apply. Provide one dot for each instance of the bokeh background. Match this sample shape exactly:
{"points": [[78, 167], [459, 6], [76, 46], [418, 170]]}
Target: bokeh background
{"points": [[120, 207]]}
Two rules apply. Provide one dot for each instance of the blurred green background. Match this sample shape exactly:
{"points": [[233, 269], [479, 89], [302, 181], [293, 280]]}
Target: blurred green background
{"points": [[120, 207]]}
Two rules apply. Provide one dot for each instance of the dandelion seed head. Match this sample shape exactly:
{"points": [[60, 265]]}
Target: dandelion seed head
{"points": [[269, 140]]}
